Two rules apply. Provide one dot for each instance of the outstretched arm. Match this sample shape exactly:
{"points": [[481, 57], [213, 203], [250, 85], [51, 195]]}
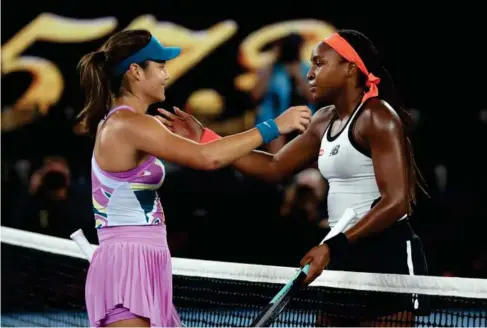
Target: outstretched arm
{"points": [[149, 135], [295, 155]]}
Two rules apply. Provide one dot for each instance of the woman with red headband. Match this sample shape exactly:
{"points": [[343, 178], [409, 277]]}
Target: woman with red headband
{"points": [[363, 149]]}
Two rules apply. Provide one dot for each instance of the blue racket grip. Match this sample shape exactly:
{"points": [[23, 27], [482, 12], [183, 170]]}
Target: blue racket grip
{"points": [[305, 269]]}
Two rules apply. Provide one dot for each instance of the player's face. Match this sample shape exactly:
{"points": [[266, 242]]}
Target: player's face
{"points": [[154, 81], [327, 74]]}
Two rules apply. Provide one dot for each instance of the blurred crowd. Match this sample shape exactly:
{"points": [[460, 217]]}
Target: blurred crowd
{"points": [[224, 215]]}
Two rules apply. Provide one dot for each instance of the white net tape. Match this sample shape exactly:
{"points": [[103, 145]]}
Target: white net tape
{"points": [[427, 285]]}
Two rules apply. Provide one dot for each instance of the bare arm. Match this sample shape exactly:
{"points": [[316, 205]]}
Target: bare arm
{"points": [[297, 154], [300, 152], [148, 135], [384, 134], [275, 145]]}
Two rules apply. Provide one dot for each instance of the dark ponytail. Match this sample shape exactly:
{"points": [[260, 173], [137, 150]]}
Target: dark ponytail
{"points": [[387, 91], [96, 85], [100, 86]]}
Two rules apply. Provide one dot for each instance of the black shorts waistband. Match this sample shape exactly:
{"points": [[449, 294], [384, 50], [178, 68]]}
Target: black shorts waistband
{"points": [[398, 232]]}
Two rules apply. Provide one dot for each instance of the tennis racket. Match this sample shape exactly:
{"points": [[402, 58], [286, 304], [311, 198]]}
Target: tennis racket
{"points": [[279, 302]]}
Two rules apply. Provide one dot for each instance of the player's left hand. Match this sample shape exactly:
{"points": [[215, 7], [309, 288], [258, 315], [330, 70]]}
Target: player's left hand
{"points": [[181, 123], [318, 257]]}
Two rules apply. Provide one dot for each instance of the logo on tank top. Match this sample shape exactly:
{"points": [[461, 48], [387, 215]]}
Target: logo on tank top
{"points": [[321, 152], [334, 151]]}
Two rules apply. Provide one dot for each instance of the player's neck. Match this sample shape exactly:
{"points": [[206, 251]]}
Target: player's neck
{"points": [[136, 103], [346, 103]]}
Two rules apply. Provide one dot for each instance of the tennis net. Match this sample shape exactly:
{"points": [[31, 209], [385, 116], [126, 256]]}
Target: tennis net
{"points": [[43, 285]]}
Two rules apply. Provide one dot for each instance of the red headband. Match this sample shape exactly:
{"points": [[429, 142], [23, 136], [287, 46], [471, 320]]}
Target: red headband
{"points": [[344, 49]]}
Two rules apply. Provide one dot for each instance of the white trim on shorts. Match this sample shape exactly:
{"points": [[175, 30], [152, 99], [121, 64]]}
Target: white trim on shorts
{"points": [[409, 259]]}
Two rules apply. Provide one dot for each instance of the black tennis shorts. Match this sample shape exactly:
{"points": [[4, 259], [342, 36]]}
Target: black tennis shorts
{"points": [[396, 250]]}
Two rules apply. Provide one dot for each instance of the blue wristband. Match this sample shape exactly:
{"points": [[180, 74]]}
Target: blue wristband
{"points": [[268, 130]]}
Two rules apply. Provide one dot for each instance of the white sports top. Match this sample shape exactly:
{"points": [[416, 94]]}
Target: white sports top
{"points": [[349, 172]]}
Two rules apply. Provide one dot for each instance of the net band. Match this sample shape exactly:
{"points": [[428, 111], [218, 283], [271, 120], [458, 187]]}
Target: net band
{"points": [[44, 285], [394, 283]]}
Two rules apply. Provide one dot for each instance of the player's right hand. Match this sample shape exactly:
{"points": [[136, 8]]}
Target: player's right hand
{"points": [[318, 258], [294, 118], [181, 123]]}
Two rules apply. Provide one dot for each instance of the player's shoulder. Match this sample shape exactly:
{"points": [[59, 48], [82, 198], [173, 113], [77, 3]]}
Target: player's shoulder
{"points": [[324, 113], [380, 115], [321, 119], [125, 123]]}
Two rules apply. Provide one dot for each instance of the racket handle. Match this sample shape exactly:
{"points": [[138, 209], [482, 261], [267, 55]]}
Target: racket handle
{"points": [[83, 243], [306, 268]]}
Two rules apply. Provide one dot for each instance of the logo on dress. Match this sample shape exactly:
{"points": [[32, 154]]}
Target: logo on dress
{"points": [[334, 151]]}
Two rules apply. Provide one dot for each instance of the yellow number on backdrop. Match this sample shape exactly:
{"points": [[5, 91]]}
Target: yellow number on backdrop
{"points": [[252, 58], [47, 85], [195, 45]]}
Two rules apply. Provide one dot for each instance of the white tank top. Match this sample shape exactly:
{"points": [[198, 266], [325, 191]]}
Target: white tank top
{"points": [[349, 172]]}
